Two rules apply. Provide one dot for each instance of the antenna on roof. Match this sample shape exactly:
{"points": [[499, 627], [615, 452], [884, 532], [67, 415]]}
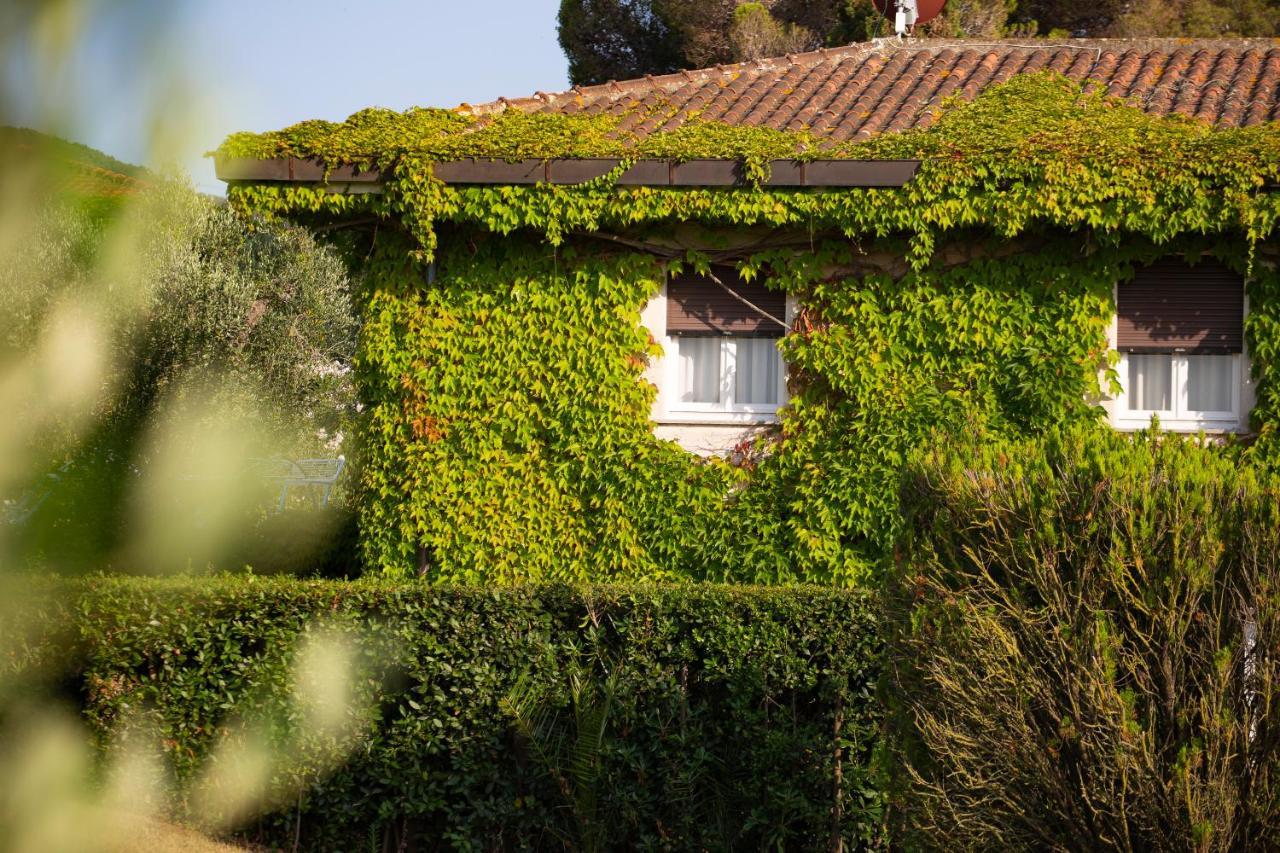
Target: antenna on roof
{"points": [[908, 13]]}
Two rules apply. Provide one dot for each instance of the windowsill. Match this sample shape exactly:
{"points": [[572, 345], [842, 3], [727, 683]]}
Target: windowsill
{"points": [[1223, 427], [718, 418]]}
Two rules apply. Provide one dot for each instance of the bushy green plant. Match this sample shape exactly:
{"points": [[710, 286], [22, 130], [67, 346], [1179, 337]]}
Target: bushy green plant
{"points": [[737, 718], [1082, 652], [189, 288], [186, 314]]}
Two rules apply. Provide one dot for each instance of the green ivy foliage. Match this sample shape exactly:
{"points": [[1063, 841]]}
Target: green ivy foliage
{"points": [[509, 436], [1036, 150], [1021, 340], [508, 430], [1262, 332], [506, 400], [730, 707]]}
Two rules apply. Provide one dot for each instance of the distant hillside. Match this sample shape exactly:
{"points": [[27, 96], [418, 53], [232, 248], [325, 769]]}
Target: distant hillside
{"points": [[78, 169], [64, 149]]}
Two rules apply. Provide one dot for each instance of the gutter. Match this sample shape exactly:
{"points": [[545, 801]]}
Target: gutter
{"points": [[568, 171]]}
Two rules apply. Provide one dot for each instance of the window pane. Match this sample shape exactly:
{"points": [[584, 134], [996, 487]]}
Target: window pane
{"points": [[1209, 382], [758, 362], [1150, 382], [699, 369]]}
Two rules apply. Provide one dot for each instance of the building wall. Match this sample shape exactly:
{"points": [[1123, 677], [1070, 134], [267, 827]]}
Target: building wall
{"points": [[711, 435]]}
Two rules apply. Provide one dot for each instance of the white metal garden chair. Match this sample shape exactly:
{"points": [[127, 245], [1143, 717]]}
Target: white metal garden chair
{"points": [[317, 474]]}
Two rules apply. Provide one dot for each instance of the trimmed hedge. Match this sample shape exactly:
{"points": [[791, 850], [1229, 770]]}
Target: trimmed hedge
{"points": [[740, 717]]}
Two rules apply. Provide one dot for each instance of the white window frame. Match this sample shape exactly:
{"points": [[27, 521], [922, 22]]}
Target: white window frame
{"points": [[1180, 418], [726, 410], [664, 372]]}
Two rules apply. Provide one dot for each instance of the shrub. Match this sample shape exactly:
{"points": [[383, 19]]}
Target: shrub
{"points": [[200, 336], [665, 717], [1085, 653], [303, 542]]}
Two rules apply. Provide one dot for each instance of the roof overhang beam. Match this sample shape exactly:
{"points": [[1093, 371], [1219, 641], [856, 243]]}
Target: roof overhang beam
{"points": [[867, 174]]}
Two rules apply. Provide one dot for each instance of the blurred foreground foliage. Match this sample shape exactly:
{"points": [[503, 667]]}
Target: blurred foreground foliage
{"points": [[155, 344]]}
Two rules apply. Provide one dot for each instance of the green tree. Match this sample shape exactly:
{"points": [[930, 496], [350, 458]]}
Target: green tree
{"points": [[617, 39], [1153, 18], [1079, 18], [192, 322], [1200, 18], [972, 19], [756, 34]]}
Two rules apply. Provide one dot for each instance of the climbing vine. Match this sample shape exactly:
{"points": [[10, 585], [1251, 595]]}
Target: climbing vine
{"points": [[508, 432]]}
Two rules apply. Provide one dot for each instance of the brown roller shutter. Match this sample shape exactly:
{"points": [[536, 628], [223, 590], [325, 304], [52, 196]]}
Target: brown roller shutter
{"points": [[696, 305], [1172, 306]]}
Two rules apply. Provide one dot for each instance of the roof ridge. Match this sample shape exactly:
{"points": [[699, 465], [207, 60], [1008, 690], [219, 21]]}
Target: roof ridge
{"points": [[677, 78], [864, 89], [668, 82]]}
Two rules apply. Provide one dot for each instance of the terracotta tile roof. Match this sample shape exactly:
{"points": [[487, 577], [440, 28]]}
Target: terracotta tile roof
{"points": [[857, 91]]}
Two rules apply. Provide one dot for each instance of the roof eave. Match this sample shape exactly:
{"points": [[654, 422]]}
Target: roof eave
{"points": [[848, 174]]}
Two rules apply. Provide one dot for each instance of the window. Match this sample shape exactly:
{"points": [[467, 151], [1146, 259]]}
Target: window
{"points": [[728, 374], [1185, 391], [724, 363], [1180, 333]]}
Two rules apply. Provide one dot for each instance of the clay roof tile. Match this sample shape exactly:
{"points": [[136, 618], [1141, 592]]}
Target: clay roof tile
{"points": [[864, 89]]}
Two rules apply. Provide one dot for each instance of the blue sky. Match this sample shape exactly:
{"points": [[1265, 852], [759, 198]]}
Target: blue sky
{"points": [[193, 71]]}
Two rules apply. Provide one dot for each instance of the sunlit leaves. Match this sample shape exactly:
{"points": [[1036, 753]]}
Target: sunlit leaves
{"points": [[508, 434]]}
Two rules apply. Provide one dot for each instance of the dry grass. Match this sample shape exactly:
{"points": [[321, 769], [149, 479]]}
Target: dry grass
{"points": [[152, 836]]}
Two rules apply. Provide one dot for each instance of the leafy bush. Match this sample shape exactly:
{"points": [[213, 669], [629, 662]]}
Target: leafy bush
{"points": [[161, 347], [185, 289], [1085, 647], [303, 542], [699, 717]]}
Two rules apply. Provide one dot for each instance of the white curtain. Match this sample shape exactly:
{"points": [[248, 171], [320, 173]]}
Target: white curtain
{"points": [[1150, 382], [1209, 382], [758, 363], [700, 369]]}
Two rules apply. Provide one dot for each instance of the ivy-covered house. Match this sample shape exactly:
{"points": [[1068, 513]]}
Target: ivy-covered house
{"points": [[692, 325]]}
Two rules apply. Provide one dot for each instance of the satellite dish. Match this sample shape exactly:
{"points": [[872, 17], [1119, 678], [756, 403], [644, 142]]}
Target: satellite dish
{"points": [[908, 13]]}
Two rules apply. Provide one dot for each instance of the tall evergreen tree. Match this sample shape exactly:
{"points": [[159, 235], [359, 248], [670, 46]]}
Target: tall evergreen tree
{"points": [[618, 39]]}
